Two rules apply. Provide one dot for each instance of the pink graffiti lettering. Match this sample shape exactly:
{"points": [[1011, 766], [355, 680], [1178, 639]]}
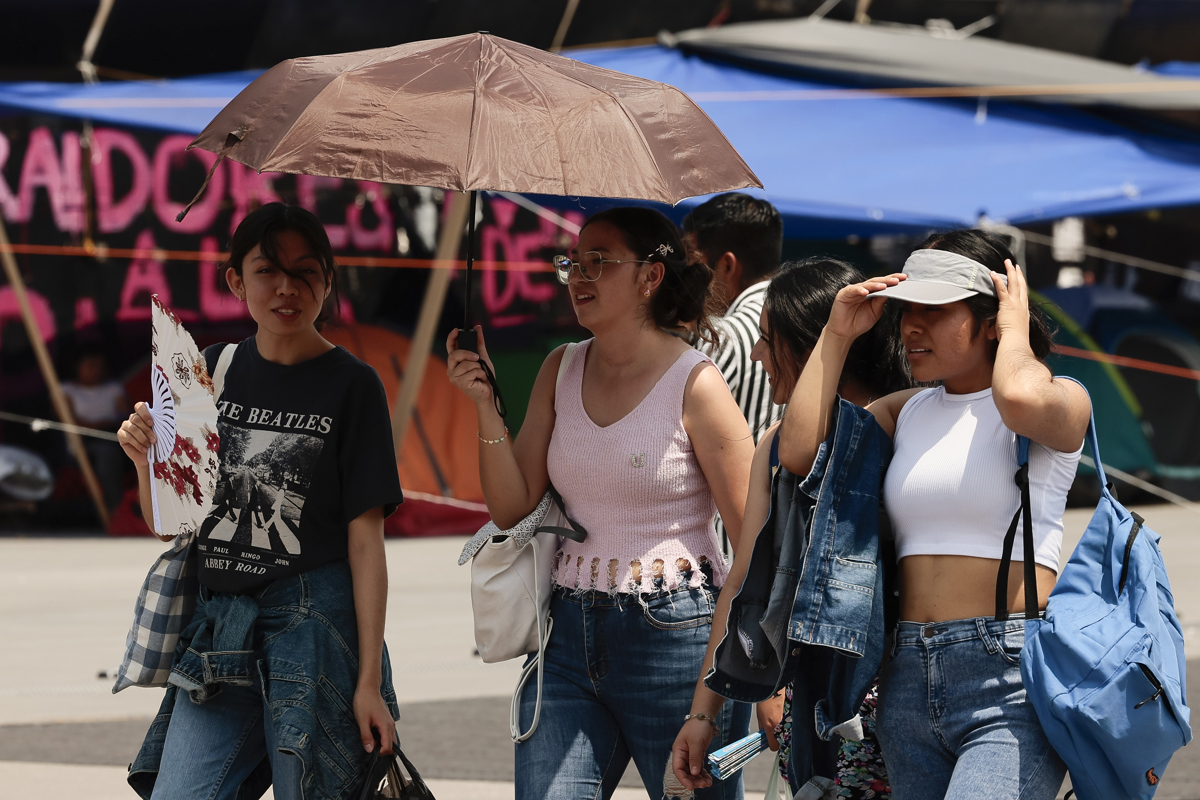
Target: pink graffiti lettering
{"points": [[144, 277], [500, 242], [10, 310], [216, 302], [43, 169], [8, 203], [85, 313], [380, 238], [247, 187], [171, 153], [114, 214], [72, 181]]}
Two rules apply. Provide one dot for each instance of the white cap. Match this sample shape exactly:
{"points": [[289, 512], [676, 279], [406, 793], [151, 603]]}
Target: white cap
{"points": [[937, 277]]}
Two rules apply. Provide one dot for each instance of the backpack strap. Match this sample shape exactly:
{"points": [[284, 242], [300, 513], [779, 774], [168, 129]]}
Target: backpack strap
{"points": [[223, 362], [1024, 513]]}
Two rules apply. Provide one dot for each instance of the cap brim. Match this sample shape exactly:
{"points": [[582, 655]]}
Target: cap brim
{"points": [[928, 293]]}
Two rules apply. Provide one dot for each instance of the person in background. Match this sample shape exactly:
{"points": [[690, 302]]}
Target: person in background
{"points": [[741, 238], [100, 403]]}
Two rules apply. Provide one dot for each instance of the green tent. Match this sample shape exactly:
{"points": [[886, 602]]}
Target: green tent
{"points": [[1118, 413]]}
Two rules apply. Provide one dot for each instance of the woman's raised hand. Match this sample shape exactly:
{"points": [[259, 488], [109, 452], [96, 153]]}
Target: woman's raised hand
{"points": [[465, 368], [854, 311], [1013, 316], [136, 434]]}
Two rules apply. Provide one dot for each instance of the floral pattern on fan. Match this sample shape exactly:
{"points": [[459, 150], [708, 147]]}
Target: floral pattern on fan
{"points": [[185, 458]]}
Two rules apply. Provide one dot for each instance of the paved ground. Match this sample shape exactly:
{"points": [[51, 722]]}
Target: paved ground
{"points": [[65, 605]]}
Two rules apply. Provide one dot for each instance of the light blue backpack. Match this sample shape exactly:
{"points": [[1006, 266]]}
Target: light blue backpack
{"points": [[1105, 668]]}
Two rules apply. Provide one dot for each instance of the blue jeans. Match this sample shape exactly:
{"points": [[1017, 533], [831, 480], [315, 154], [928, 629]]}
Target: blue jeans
{"points": [[954, 721], [211, 748], [620, 672]]}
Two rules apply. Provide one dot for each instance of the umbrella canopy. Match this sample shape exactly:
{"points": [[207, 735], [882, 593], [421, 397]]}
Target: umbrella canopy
{"points": [[478, 112]]}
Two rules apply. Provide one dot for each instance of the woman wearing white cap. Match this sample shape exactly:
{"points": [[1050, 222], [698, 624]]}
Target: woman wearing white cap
{"points": [[954, 721]]}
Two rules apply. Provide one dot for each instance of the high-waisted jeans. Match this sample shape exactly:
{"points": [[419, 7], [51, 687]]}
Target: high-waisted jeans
{"points": [[620, 672], [953, 719]]}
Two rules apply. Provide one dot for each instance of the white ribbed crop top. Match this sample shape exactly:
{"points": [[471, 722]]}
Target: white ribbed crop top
{"points": [[949, 489]]}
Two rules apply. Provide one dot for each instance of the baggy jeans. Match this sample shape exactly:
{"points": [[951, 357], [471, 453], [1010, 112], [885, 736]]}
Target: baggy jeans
{"points": [[620, 672]]}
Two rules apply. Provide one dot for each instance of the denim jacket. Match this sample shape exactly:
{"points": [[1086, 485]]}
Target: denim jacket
{"points": [[811, 609], [297, 640]]}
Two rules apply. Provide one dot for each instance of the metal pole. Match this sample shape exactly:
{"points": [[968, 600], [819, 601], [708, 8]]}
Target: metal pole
{"points": [[61, 405], [449, 240], [564, 25]]}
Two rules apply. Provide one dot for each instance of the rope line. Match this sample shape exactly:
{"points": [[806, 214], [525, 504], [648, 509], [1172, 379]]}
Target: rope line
{"points": [[1124, 361], [1145, 486], [1121, 258], [156, 254], [1021, 90], [39, 425]]}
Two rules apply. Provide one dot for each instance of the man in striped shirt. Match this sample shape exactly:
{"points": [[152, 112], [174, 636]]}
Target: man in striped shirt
{"points": [[741, 238]]}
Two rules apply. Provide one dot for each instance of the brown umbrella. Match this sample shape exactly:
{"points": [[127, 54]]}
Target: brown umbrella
{"points": [[477, 112]]}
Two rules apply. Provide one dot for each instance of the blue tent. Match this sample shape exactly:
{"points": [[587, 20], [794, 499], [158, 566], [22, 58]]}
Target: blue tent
{"points": [[921, 163], [835, 163], [184, 105]]}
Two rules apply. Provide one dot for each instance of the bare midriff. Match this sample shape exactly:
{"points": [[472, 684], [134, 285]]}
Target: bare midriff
{"points": [[942, 588]]}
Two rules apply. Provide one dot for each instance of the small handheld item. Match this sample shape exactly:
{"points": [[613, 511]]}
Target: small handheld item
{"points": [[732, 757], [468, 339]]}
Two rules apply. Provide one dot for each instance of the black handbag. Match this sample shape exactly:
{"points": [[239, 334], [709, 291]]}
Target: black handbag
{"points": [[393, 777]]}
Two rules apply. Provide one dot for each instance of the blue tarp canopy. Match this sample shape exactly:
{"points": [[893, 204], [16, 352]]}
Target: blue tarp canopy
{"points": [[835, 162], [184, 105]]}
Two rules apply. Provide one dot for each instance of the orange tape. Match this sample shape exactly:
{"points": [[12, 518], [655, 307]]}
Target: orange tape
{"points": [[1132, 363], [97, 251]]}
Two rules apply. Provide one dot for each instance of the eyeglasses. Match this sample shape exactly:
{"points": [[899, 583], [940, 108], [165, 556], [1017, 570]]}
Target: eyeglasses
{"points": [[590, 266]]}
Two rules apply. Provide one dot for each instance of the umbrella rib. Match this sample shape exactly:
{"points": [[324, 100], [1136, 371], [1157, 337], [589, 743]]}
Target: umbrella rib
{"points": [[536, 89], [625, 112], [466, 178]]}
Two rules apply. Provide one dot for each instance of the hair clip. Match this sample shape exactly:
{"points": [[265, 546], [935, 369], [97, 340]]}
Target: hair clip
{"points": [[663, 249]]}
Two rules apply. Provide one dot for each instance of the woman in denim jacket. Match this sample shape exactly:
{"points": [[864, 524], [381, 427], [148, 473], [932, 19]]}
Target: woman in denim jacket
{"points": [[282, 676], [795, 309], [954, 721]]}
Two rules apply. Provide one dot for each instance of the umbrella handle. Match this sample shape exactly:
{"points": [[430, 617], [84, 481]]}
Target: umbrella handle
{"points": [[468, 339]]}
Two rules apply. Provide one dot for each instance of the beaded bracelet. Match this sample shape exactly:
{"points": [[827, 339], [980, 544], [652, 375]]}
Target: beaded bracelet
{"points": [[494, 441], [704, 717]]}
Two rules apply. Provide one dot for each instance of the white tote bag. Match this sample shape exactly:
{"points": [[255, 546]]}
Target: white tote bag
{"points": [[510, 588]]}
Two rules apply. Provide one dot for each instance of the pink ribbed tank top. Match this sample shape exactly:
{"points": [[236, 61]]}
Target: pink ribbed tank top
{"points": [[635, 485]]}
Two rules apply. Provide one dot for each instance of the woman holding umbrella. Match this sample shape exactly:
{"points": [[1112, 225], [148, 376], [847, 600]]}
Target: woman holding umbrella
{"points": [[644, 442]]}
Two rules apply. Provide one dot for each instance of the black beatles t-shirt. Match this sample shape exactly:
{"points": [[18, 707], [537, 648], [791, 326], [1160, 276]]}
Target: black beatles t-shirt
{"points": [[305, 449]]}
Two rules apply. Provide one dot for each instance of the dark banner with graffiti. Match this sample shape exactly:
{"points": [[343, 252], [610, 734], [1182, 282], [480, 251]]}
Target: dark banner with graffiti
{"points": [[140, 182]]}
